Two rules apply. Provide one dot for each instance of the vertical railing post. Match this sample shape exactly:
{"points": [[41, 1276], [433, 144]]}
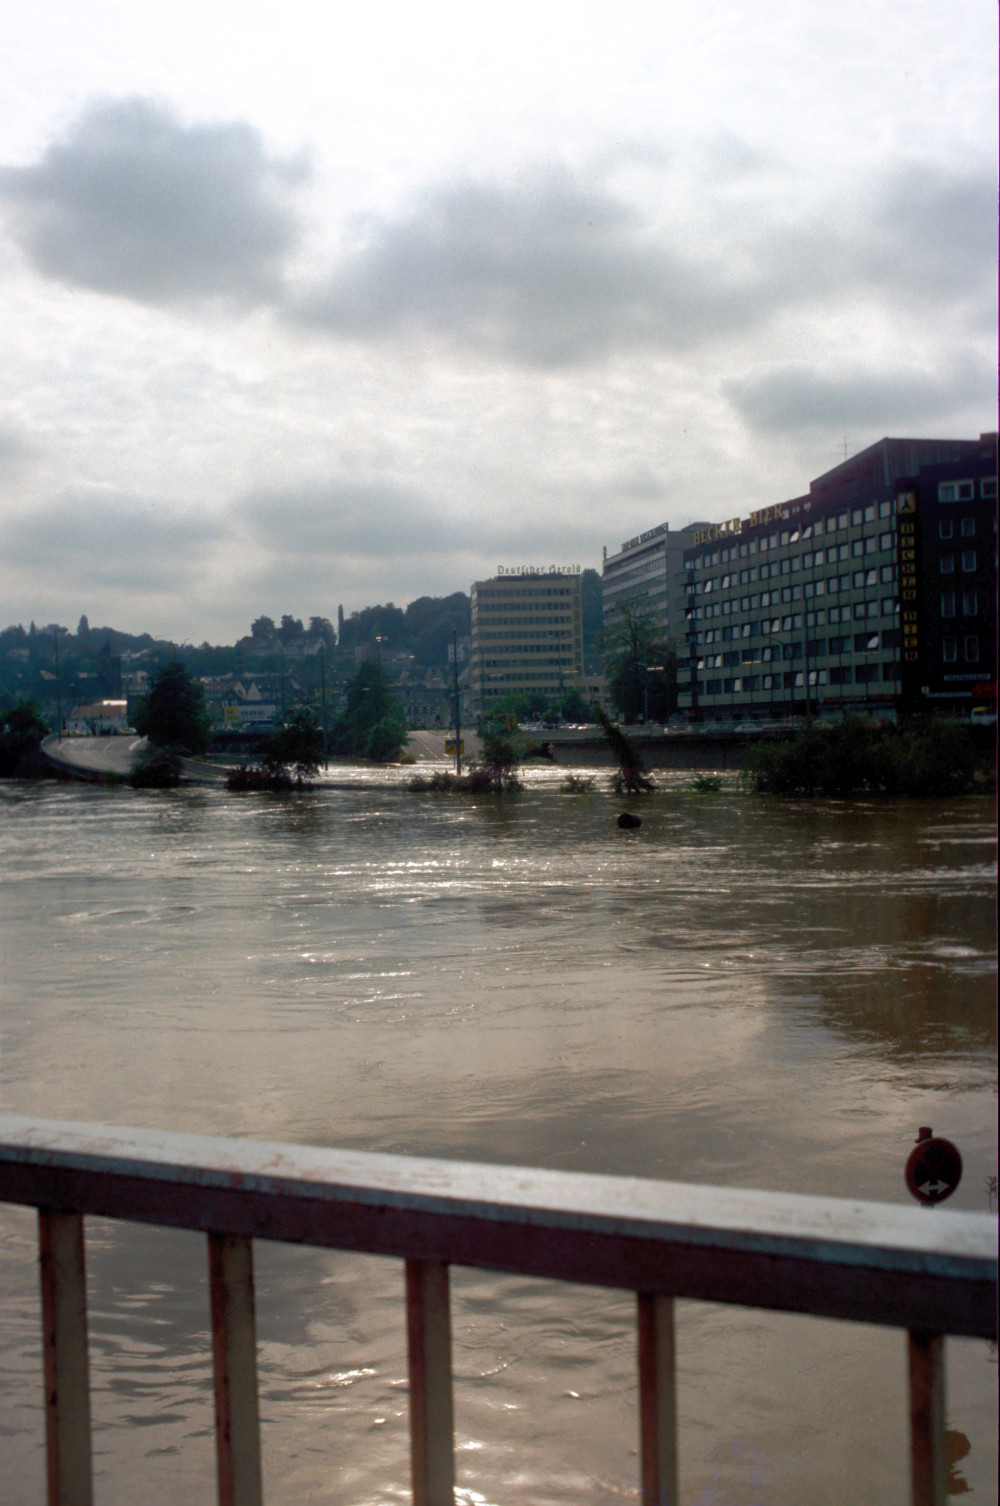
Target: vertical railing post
{"points": [[64, 1336], [234, 1362], [432, 1428], [657, 1400], [928, 1451]]}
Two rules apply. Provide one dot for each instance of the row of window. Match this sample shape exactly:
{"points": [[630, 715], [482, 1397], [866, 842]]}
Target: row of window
{"points": [[633, 572], [847, 674], [812, 648], [830, 586], [968, 562], [965, 491], [792, 564], [967, 528], [969, 600], [504, 593], [489, 620], [763, 627], [514, 670], [502, 644], [969, 647]]}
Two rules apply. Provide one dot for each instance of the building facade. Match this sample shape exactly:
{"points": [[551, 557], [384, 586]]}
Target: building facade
{"points": [[947, 521], [796, 608], [644, 573], [527, 635]]}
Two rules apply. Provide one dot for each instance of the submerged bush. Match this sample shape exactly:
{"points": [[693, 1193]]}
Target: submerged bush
{"points": [[577, 784], [630, 777], [479, 780], [256, 777], [857, 756], [707, 784], [155, 768], [21, 731]]}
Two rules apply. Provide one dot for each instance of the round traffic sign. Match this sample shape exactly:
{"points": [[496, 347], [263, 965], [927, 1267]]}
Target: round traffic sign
{"points": [[933, 1168]]}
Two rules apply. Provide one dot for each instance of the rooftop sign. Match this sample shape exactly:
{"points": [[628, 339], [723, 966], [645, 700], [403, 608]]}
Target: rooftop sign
{"points": [[539, 569], [642, 538], [740, 525]]}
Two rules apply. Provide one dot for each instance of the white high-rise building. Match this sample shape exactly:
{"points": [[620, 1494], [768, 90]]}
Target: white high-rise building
{"points": [[527, 635]]}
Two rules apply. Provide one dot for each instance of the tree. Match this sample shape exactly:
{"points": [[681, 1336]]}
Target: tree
{"points": [[574, 707], [640, 664], [322, 627], [361, 628], [370, 703], [262, 628], [21, 731], [497, 763], [298, 746], [174, 714], [290, 629], [386, 740]]}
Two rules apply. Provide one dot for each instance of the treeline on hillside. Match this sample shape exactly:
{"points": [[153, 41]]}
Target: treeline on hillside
{"points": [[93, 663]]}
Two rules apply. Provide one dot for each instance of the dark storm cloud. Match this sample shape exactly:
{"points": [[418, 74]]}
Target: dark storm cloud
{"points": [[546, 271], [96, 538], [934, 232], [132, 201], [348, 521], [552, 269], [555, 271], [798, 395], [343, 518]]}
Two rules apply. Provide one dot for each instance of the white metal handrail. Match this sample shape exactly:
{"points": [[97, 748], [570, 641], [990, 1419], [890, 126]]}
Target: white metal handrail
{"points": [[862, 1262]]}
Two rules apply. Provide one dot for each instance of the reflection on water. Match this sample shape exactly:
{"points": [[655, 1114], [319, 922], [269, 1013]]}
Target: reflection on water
{"points": [[744, 992]]}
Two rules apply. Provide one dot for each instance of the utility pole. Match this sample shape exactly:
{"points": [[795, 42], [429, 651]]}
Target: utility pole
{"points": [[322, 694], [458, 703], [59, 717]]}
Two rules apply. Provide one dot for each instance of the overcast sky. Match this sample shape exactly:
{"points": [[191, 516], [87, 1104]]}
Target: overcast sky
{"points": [[317, 304]]}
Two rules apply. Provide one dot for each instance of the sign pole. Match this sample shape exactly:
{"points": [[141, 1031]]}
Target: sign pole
{"points": [[458, 704]]}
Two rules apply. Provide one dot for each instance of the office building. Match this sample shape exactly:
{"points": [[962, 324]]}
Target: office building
{"points": [[527, 635], [644, 573], [796, 608]]}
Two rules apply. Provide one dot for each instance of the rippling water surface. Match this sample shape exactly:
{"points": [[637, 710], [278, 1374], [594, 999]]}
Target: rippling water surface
{"points": [[744, 992]]}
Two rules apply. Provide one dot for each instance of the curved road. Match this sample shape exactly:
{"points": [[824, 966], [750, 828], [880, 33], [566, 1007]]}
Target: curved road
{"points": [[94, 757]]}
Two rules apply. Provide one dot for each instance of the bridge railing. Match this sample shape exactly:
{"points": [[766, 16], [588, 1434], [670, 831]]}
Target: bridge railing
{"points": [[930, 1274]]}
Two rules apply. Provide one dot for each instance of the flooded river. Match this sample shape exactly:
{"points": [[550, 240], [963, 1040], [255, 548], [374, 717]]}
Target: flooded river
{"points": [[745, 992]]}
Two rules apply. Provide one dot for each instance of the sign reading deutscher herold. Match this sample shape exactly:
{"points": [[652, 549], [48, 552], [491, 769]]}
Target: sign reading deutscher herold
{"points": [[539, 569]]}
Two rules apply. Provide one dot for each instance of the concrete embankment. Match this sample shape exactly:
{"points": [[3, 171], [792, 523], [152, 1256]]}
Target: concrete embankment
{"points": [[586, 749], [680, 750]]}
